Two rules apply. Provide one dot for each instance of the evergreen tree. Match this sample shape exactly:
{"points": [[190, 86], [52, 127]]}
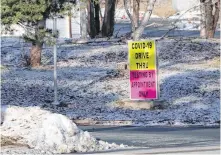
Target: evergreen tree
{"points": [[31, 15]]}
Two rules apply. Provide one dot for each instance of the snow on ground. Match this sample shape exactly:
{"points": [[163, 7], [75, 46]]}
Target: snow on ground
{"points": [[121, 16], [188, 19], [92, 79], [49, 132]]}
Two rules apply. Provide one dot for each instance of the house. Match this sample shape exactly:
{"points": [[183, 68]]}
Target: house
{"points": [[68, 27]]}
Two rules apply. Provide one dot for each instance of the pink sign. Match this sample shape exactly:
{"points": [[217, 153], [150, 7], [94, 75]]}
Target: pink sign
{"points": [[143, 84]]}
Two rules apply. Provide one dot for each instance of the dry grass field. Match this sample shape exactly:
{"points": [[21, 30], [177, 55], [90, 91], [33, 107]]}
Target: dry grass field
{"points": [[163, 8]]}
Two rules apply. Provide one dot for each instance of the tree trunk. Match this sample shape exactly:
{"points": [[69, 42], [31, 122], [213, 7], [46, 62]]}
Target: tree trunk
{"points": [[101, 17], [203, 19], [216, 13], [97, 17], [126, 4], [83, 19], [136, 9], [70, 26], [108, 22], [209, 18], [91, 20], [139, 31], [36, 54]]}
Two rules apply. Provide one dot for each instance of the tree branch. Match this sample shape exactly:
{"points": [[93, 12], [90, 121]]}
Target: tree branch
{"points": [[26, 27], [129, 15], [138, 32], [167, 32]]}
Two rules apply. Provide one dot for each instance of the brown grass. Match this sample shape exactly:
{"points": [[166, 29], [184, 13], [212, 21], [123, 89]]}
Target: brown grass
{"points": [[6, 141], [164, 9]]}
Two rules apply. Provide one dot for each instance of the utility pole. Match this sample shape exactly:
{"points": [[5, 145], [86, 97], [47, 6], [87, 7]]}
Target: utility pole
{"points": [[70, 25], [55, 61]]}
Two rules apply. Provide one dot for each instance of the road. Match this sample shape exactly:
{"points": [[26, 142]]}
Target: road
{"points": [[160, 139]]}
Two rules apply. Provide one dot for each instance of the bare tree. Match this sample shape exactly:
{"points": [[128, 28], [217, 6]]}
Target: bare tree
{"points": [[209, 17], [108, 21], [91, 19], [126, 6], [83, 19], [136, 10], [97, 16], [137, 29]]}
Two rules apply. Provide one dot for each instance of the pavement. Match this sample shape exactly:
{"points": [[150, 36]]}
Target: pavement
{"points": [[159, 139]]}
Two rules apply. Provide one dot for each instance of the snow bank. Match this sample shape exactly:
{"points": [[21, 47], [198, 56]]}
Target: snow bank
{"points": [[43, 130]]}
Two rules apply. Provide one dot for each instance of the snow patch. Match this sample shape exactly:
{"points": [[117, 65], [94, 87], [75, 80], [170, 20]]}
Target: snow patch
{"points": [[187, 20], [43, 130]]}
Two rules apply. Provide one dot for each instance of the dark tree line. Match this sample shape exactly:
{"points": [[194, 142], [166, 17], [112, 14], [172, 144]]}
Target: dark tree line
{"points": [[96, 24]]}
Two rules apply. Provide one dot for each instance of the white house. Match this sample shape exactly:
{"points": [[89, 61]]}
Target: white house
{"points": [[67, 27]]}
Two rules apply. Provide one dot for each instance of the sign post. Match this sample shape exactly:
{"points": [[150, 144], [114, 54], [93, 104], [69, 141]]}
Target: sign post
{"points": [[143, 70], [55, 61]]}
